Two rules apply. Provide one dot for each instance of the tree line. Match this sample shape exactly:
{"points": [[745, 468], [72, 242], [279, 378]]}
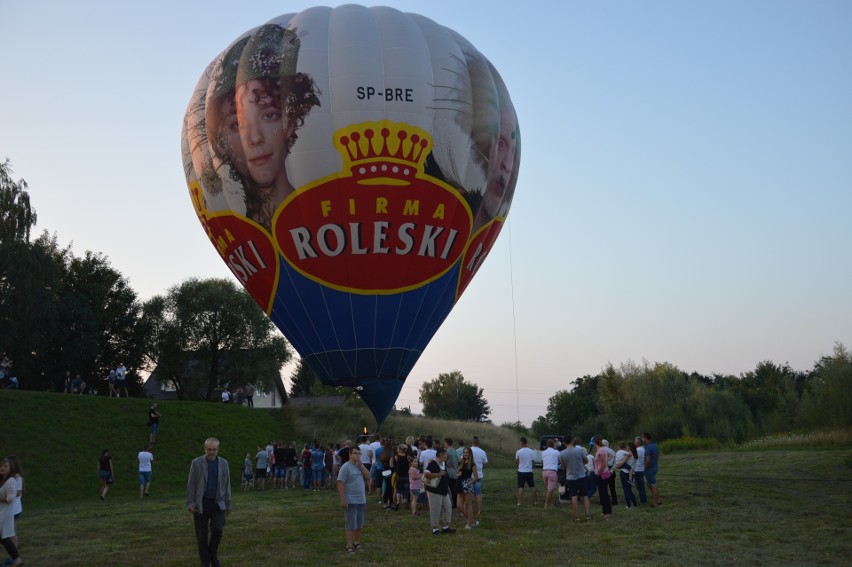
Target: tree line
{"points": [[60, 313], [671, 403]]}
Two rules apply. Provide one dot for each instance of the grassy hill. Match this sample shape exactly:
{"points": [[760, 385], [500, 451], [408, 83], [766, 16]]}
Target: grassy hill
{"points": [[785, 506], [59, 438]]}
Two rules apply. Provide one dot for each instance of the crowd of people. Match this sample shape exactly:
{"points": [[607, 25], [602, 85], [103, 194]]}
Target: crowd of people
{"points": [[572, 472], [240, 396], [415, 475], [116, 379]]}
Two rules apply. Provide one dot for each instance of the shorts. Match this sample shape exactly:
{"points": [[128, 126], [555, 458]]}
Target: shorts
{"points": [[259, 473], [376, 475], [247, 477], [526, 478], [104, 475], [577, 487], [651, 476], [467, 486], [354, 516], [477, 487], [550, 479], [144, 477], [318, 472], [155, 428], [280, 471], [293, 472]]}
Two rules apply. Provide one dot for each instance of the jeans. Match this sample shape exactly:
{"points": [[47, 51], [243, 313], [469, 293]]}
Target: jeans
{"points": [[209, 521], [307, 478], [639, 478], [628, 490], [591, 484]]}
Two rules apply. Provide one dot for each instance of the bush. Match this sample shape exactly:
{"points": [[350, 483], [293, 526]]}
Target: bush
{"points": [[684, 444]]}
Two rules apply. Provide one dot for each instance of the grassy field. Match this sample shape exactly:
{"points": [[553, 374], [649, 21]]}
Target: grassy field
{"points": [[777, 507]]}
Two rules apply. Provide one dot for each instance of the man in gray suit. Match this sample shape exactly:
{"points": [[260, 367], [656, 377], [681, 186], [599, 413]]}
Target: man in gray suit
{"points": [[208, 498]]}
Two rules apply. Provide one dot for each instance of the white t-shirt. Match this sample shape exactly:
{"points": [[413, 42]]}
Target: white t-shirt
{"points": [[550, 459], [17, 507], [640, 462], [524, 456], [145, 460], [426, 456], [366, 456], [374, 446], [479, 459]]}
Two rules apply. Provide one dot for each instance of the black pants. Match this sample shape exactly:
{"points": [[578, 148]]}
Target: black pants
{"points": [[613, 495], [602, 490], [10, 547], [209, 522]]}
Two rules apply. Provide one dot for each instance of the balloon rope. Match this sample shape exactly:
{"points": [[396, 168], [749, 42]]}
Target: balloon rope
{"points": [[514, 324]]}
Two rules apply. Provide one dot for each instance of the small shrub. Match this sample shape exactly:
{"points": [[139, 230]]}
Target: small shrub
{"points": [[684, 444]]}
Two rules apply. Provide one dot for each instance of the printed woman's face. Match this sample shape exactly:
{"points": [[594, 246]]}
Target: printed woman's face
{"points": [[230, 135], [262, 134]]}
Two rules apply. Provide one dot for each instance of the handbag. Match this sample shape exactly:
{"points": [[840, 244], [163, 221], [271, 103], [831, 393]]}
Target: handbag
{"points": [[386, 472]]}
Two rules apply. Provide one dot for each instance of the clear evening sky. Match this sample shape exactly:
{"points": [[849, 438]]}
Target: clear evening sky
{"points": [[685, 192]]}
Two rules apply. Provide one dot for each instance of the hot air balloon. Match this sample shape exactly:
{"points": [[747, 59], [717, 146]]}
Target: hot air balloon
{"points": [[353, 167]]}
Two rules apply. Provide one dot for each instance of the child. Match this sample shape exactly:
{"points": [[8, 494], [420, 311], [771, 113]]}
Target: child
{"points": [[248, 472], [415, 483]]}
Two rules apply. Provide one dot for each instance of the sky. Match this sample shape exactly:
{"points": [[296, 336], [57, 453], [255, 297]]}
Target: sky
{"points": [[684, 194]]}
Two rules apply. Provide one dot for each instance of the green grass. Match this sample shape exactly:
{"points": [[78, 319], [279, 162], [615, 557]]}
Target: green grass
{"points": [[779, 507]]}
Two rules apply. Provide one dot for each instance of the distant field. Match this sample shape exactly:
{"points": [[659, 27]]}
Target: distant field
{"points": [[779, 507]]}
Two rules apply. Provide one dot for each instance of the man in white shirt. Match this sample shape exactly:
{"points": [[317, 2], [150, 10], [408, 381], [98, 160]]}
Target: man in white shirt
{"points": [[366, 460], [480, 459], [524, 460], [549, 471], [145, 458], [427, 455]]}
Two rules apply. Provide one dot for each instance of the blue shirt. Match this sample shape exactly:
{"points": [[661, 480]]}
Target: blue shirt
{"points": [[652, 452], [212, 479]]}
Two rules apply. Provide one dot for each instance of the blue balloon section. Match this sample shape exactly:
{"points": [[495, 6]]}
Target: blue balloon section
{"points": [[367, 342]]}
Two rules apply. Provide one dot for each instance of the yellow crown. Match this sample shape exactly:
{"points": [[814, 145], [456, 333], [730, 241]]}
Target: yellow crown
{"points": [[383, 149]]}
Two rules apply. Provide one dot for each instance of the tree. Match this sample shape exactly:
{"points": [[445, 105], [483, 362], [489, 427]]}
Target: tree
{"points": [[827, 401], [59, 313], [17, 217], [205, 334], [304, 383], [450, 397]]}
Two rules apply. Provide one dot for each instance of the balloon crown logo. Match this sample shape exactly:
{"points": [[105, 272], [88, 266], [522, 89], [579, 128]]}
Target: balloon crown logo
{"points": [[398, 152]]}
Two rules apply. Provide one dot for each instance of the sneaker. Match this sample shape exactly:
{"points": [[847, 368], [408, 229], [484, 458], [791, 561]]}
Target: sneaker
{"points": [[475, 523], [449, 530], [436, 532], [468, 526]]}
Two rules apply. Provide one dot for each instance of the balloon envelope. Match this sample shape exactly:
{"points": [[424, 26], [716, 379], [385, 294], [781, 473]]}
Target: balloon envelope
{"points": [[353, 167]]}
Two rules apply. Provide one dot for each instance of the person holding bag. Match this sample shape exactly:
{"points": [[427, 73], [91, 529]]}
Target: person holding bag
{"points": [[602, 472], [438, 493]]}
